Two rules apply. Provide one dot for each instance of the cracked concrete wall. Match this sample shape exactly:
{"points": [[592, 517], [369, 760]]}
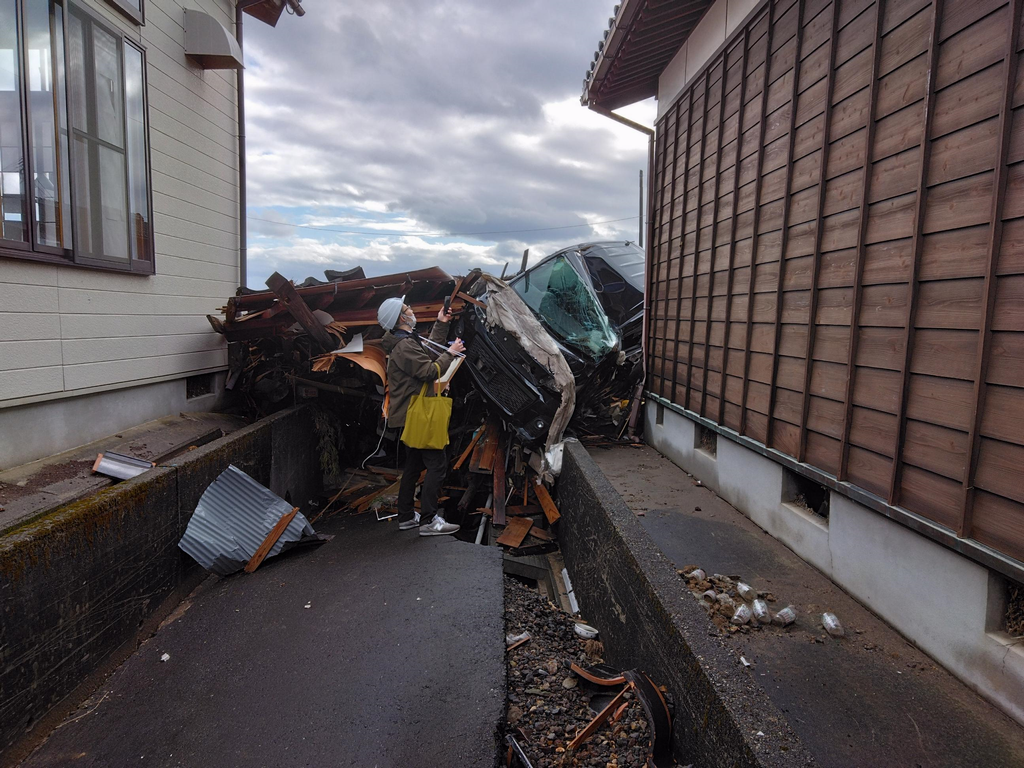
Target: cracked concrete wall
{"points": [[944, 603], [78, 583]]}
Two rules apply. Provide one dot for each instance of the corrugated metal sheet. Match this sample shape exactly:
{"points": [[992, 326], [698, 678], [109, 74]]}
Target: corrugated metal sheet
{"points": [[233, 517]]}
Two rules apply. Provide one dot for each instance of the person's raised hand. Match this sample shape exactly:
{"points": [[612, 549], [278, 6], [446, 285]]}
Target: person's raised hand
{"points": [[457, 347], [444, 317]]}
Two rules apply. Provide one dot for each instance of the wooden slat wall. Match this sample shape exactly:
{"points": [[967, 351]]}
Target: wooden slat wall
{"points": [[836, 267]]}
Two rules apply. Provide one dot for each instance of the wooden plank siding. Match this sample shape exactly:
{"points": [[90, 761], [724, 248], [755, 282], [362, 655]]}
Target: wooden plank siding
{"points": [[92, 329], [838, 251]]}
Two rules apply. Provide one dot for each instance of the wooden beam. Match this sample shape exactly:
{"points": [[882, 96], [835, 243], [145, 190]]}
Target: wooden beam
{"points": [[469, 448], [499, 484], [665, 253], [551, 512], [297, 308], [270, 540], [826, 131], [682, 242], [911, 315], [654, 254], [696, 239], [1010, 64], [732, 224], [862, 231], [714, 232], [784, 236], [756, 214]]}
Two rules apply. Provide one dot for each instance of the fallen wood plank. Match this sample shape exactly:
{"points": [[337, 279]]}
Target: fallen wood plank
{"points": [[540, 533], [547, 503], [271, 540], [603, 715], [523, 511], [297, 308], [386, 472], [515, 531], [490, 449], [469, 448], [471, 300], [499, 486]]}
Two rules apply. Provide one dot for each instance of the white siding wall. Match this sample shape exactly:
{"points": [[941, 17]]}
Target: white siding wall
{"points": [[718, 23], [65, 331]]}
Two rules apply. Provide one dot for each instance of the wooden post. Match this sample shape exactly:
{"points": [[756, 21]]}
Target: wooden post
{"points": [[297, 308]]}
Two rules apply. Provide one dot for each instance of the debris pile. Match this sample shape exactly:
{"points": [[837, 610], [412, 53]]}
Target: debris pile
{"points": [[565, 707], [734, 606]]}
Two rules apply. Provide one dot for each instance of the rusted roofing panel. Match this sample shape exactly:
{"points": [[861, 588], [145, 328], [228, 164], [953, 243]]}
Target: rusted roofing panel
{"points": [[641, 40]]}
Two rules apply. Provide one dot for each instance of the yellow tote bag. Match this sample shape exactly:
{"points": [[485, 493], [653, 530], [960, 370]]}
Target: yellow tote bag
{"points": [[426, 421]]}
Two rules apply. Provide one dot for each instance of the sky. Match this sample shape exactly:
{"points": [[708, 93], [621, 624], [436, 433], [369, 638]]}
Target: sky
{"points": [[402, 134]]}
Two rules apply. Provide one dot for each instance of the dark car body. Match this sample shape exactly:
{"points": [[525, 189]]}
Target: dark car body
{"points": [[590, 299]]}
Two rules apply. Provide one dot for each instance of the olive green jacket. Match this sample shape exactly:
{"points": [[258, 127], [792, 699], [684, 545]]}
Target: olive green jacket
{"points": [[410, 364]]}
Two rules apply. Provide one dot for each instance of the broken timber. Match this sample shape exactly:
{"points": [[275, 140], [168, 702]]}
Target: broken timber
{"points": [[287, 295], [270, 541]]}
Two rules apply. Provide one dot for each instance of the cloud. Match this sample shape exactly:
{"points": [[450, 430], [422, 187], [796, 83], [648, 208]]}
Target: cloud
{"points": [[443, 117]]}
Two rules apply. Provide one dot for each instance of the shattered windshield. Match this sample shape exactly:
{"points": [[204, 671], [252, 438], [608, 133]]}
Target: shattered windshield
{"points": [[557, 293]]}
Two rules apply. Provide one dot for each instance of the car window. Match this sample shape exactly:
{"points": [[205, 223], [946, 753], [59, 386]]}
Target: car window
{"points": [[559, 296], [620, 299]]}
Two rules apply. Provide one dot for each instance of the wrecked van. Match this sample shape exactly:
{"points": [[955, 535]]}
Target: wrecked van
{"points": [[590, 300]]}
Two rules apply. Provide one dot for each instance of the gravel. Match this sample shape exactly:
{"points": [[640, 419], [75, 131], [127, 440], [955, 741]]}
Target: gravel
{"points": [[548, 705]]}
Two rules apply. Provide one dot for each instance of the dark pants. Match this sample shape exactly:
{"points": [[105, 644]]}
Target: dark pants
{"points": [[416, 460]]}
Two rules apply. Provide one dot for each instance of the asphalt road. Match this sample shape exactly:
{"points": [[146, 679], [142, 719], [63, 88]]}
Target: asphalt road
{"points": [[379, 648]]}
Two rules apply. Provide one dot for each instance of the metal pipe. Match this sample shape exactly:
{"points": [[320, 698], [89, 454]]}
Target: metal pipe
{"points": [[243, 234], [483, 521]]}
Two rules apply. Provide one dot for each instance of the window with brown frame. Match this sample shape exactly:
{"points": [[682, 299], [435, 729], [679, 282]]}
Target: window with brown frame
{"points": [[74, 170]]}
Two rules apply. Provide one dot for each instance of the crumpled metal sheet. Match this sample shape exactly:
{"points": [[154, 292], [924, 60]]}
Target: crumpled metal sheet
{"points": [[232, 519], [506, 309]]}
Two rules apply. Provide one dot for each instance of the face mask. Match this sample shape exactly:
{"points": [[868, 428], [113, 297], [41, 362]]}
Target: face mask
{"points": [[409, 318]]}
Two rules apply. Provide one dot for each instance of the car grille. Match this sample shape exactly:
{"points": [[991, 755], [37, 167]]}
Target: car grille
{"points": [[505, 390]]}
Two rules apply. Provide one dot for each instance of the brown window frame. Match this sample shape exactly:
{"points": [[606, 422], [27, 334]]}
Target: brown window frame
{"points": [[32, 251]]}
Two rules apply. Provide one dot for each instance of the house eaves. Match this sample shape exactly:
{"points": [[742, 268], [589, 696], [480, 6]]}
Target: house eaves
{"points": [[639, 43]]}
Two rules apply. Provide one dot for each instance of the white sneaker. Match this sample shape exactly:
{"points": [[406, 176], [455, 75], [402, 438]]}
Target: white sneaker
{"points": [[438, 527], [412, 522]]}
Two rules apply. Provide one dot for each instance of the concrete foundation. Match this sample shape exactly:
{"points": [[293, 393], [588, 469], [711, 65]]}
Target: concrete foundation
{"points": [[627, 588], [37, 430], [946, 604], [77, 584]]}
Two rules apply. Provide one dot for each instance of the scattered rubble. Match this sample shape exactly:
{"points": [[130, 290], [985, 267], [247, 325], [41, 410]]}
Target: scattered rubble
{"points": [[734, 606], [560, 695]]}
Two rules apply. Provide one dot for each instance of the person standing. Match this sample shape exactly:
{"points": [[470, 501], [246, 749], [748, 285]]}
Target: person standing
{"points": [[410, 365]]}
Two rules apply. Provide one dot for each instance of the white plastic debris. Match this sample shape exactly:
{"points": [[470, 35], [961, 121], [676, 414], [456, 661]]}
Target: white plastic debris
{"points": [[742, 615], [586, 631], [786, 616], [744, 661], [697, 574], [831, 623], [761, 613], [310, 605], [511, 639], [746, 591], [165, 657]]}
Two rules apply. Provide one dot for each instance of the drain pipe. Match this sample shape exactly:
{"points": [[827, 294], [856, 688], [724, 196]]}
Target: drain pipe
{"points": [[483, 521], [243, 234]]}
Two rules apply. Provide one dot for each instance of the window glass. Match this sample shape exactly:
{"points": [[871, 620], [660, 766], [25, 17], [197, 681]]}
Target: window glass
{"points": [[100, 170], [557, 293], [46, 211], [138, 183], [107, 73], [64, 137], [620, 299], [13, 208]]}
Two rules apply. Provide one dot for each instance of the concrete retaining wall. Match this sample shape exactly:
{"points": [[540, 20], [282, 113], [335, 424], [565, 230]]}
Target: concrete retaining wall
{"points": [[946, 604], [78, 583], [630, 591]]}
